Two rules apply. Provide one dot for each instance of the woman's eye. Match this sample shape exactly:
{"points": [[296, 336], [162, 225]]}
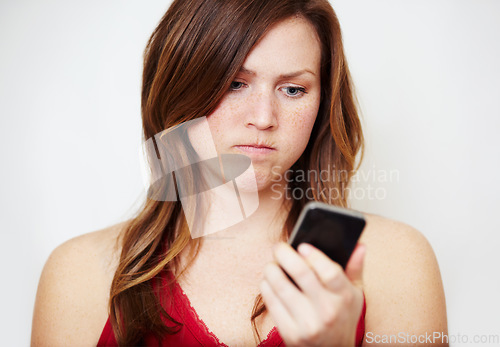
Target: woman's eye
{"points": [[294, 91], [235, 85]]}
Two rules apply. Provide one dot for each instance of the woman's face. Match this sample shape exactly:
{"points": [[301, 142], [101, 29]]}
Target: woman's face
{"points": [[269, 112]]}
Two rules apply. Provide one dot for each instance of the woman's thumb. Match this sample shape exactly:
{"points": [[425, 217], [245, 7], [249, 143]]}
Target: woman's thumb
{"points": [[354, 268]]}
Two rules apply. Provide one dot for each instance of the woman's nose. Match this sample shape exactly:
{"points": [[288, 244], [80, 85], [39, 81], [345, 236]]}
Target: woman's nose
{"points": [[262, 112]]}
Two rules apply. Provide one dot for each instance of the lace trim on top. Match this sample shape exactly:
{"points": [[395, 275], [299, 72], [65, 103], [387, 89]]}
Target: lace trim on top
{"points": [[188, 309]]}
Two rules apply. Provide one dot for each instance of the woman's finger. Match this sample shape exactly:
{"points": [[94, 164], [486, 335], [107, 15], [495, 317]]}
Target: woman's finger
{"points": [[297, 268], [329, 272], [278, 311], [354, 268], [295, 302]]}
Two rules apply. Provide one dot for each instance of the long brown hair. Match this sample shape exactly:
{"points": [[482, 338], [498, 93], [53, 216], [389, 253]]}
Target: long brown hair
{"points": [[189, 63]]}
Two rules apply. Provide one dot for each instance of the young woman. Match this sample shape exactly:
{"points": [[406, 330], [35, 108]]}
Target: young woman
{"points": [[271, 81]]}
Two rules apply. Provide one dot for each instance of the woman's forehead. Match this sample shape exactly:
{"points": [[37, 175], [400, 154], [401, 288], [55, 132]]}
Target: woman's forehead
{"points": [[290, 46]]}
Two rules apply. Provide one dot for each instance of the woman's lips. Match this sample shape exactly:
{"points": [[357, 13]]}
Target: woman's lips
{"points": [[255, 149]]}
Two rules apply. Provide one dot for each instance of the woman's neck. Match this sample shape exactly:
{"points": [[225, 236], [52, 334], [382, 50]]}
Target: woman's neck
{"points": [[223, 219]]}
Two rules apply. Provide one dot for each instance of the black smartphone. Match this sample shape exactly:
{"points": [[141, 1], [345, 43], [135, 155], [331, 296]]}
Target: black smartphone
{"points": [[333, 230]]}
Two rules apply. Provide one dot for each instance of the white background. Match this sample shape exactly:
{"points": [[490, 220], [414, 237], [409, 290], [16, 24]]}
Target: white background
{"points": [[428, 82]]}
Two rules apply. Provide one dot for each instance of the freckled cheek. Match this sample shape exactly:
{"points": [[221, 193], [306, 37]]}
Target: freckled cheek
{"points": [[300, 120], [220, 123], [224, 114]]}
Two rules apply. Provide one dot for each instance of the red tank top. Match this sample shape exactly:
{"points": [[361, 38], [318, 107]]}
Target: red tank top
{"points": [[194, 332]]}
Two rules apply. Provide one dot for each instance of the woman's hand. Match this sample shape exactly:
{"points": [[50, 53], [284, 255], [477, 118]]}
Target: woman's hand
{"points": [[326, 309]]}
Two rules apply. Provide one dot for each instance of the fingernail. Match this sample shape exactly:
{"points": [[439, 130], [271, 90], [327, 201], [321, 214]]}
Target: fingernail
{"points": [[362, 247], [305, 249]]}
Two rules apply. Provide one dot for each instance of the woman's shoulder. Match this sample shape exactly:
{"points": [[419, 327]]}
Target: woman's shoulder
{"points": [[95, 253], [383, 231], [391, 241], [394, 245], [401, 279], [73, 293]]}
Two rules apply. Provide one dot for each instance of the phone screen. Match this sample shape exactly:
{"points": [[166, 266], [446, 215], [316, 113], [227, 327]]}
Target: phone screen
{"points": [[333, 230]]}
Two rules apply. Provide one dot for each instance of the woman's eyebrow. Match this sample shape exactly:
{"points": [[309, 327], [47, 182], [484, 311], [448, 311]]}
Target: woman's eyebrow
{"points": [[296, 74], [287, 75]]}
